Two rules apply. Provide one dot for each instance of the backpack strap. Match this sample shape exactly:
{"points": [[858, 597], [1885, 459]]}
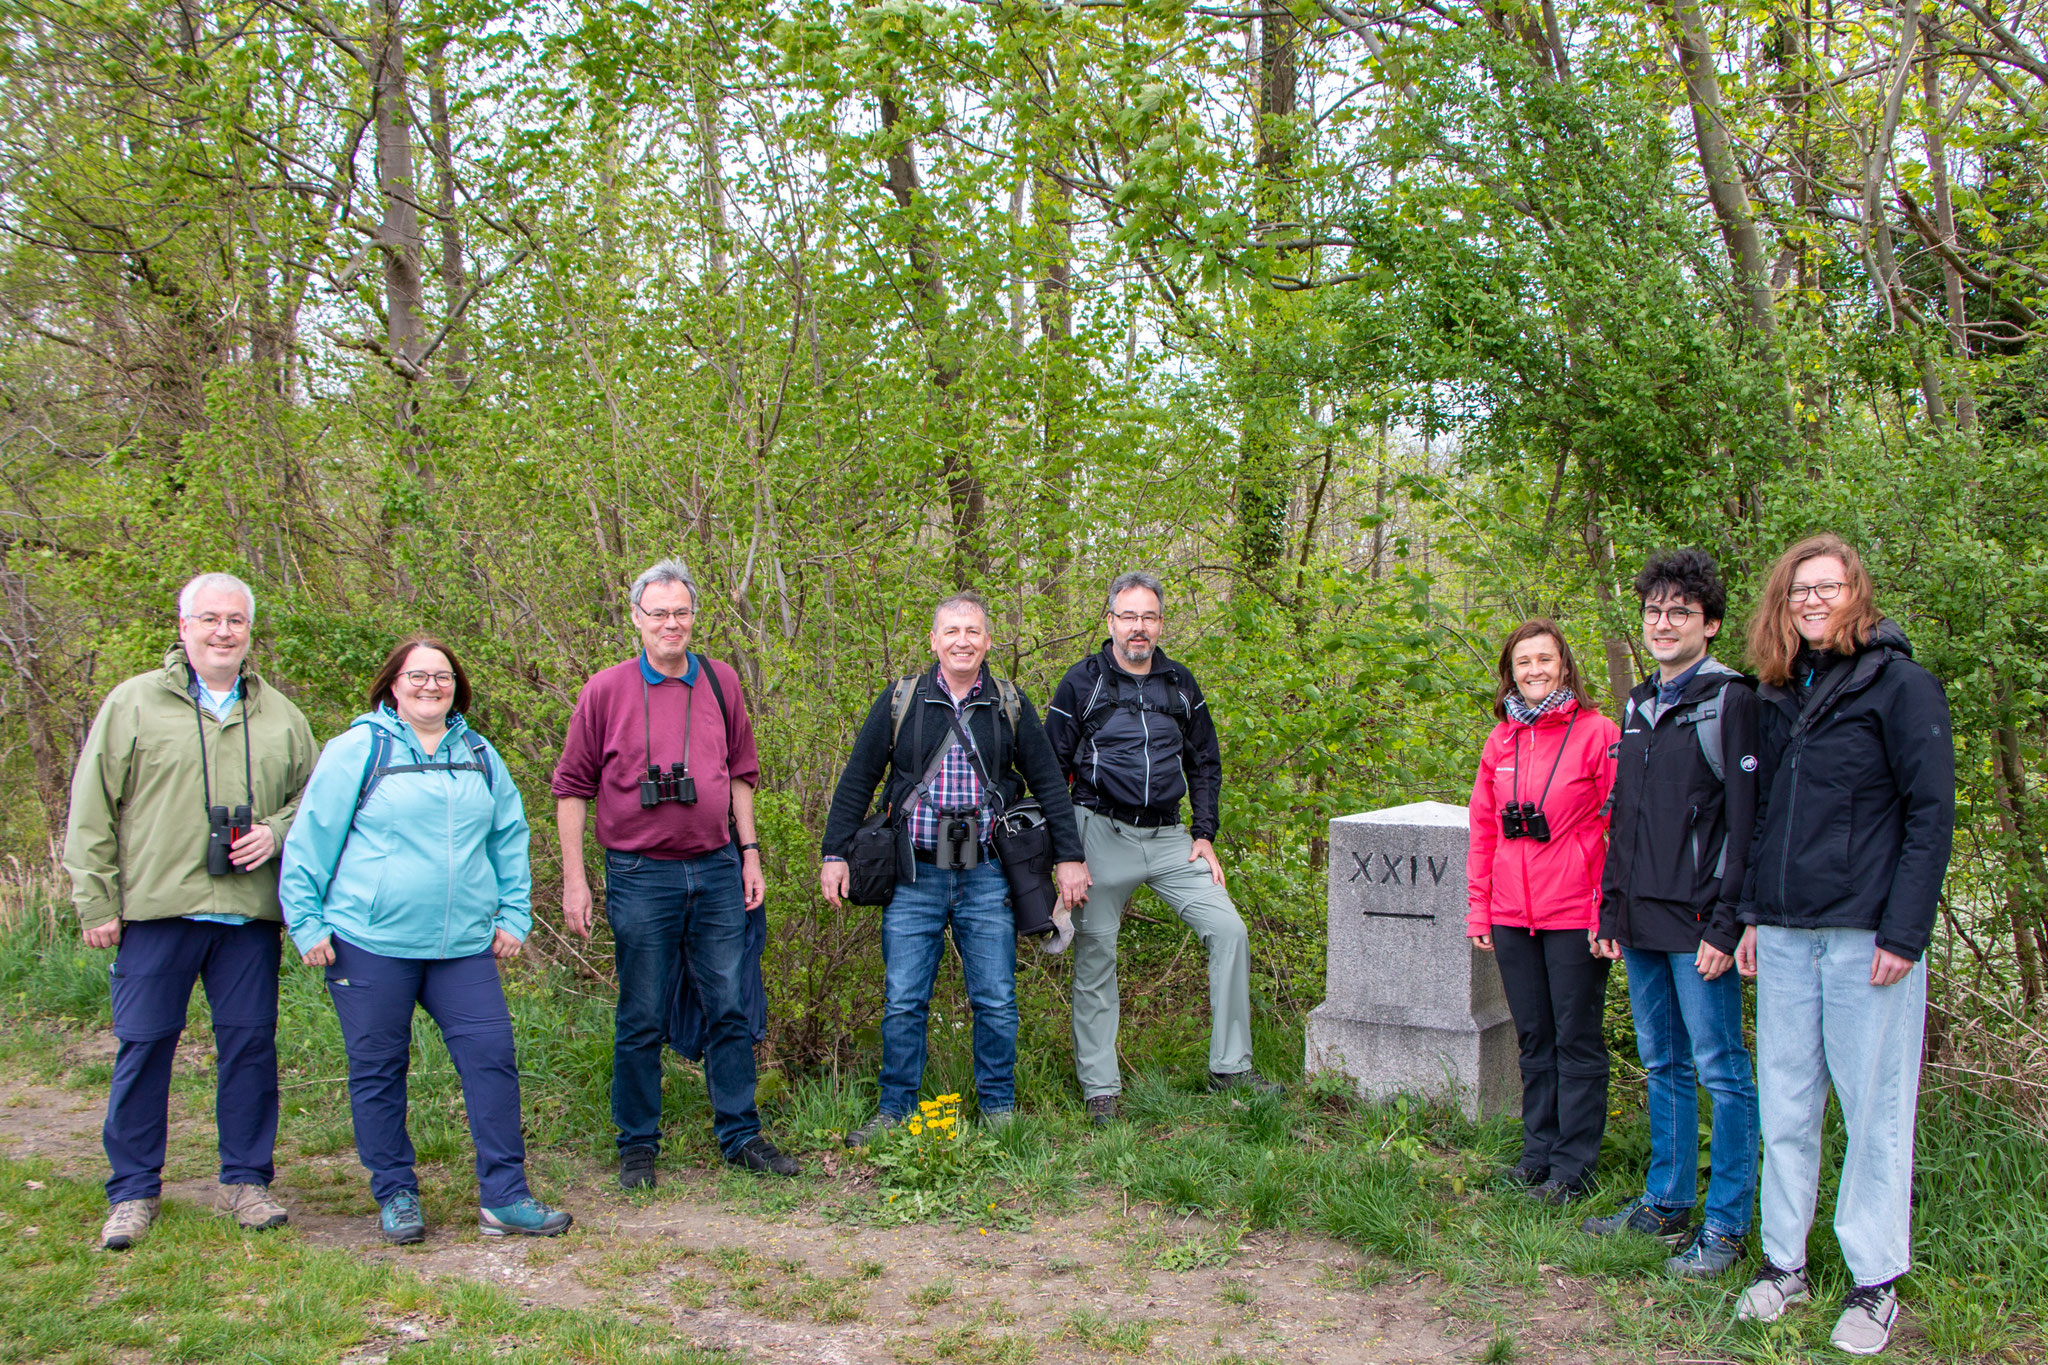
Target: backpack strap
{"points": [[899, 706], [717, 692], [1705, 720]]}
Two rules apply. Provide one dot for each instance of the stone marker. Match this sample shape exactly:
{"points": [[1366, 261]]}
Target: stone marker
{"points": [[1411, 1007]]}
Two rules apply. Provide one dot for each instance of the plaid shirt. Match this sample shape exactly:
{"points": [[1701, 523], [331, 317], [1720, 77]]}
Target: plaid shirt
{"points": [[957, 785]]}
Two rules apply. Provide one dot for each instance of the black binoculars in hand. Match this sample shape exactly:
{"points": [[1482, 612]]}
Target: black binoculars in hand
{"points": [[673, 785], [223, 827], [1524, 820]]}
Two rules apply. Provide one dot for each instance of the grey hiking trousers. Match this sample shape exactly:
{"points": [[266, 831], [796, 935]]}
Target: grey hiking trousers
{"points": [[1121, 858]]}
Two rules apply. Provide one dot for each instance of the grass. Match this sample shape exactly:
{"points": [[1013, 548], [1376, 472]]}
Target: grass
{"points": [[1407, 1185]]}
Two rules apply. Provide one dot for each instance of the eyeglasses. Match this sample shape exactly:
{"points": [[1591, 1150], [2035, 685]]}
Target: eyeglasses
{"points": [[1826, 592], [1676, 616], [213, 620], [1132, 618], [682, 615], [419, 677]]}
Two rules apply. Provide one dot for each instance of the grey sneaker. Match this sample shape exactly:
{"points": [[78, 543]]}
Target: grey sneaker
{"points": [[1867, 1317], [881, 1123], [1246, 1079], [128, 1221], [1711, 1253], [251, 1207], [1669, 1226], [1102, 1110], [996, 1120], [1772, 1291]]}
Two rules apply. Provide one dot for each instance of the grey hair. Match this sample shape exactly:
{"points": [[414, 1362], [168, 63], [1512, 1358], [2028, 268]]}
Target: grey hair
{"points": [[214, 582], [1136, 578], [966, 597], [667, 571]]}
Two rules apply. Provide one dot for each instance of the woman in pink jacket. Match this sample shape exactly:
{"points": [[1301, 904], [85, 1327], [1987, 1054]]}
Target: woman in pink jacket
{"points": [[1539, 839]]}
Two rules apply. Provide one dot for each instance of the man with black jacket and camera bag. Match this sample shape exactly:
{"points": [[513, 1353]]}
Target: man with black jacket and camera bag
{"points": [[184, 791], [1684, 806], [1131, 730], [957, 746]]}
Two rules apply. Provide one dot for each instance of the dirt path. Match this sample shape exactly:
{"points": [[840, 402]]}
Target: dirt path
{"points": [[807, 1291]]}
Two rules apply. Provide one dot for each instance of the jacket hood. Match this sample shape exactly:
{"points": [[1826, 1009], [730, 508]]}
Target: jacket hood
{"points": [[1888, 635], [1709, 667], [385, 718], [177, 672], [1161, 664]]}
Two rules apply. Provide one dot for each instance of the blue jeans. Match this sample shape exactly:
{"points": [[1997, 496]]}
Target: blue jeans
{"points": [[976, 904], [1819, 1020], [1689, 1033], [659, 909], [152, 977], [374, 998]]}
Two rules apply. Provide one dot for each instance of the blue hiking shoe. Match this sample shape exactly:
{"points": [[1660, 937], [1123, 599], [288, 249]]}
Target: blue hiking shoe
{"points": [[527, 1218], [400, 1222], [1711, 1253], [1670, 1226]]}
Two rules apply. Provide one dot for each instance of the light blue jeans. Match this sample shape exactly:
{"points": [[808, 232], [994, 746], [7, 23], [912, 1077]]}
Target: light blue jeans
{"points": [[1689, 1034], [1818, 1019], [975, 905]]}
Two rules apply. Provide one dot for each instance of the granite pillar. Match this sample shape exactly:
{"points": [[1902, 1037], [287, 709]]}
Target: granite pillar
{"points": [[1411, 1007]]}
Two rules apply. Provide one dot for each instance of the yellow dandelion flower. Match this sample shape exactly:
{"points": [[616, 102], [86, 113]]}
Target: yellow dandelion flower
{"points": [[949, 1099], [915, 1127], [928, 1106]]}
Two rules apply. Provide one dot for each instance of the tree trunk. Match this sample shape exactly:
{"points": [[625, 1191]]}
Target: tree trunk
{"points": [[1265, 483], [441, 140], [1945, 222]]}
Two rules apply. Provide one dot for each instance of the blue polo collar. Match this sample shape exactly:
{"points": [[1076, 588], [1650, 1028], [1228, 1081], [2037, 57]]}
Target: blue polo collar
{"points": [[653, 677], [1668, 693]]}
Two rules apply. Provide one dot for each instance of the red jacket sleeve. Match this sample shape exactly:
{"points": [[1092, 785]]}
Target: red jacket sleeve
{"points": [[1483, 818]]}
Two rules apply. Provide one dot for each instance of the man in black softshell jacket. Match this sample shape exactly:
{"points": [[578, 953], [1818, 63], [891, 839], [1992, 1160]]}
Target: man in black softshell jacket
{"points": [[1132, 731], [1855, 816], [1683, 813]]}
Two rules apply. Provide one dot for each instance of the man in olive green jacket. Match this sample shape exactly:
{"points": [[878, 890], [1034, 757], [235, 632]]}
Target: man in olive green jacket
{"points": [[184, 792]]}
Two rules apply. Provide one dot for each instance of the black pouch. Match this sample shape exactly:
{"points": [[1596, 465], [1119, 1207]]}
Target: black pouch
{"points": [[871, 861], [1023, 842]]}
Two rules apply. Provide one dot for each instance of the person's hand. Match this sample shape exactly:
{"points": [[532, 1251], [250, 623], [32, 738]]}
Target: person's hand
{"points": [[833, 879], [576, 907], [755, 885], [1072, 881], [1745, 952], [504, 945], [1206, 852], [1609, 948], [320, 954], [1483, 942], [104, 935], [1888, 969], [252, 848], [1711, 962]]}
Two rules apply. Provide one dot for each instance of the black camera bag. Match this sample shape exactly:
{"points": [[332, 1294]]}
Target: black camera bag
{"points": [[871, 861], [1023, 842]]}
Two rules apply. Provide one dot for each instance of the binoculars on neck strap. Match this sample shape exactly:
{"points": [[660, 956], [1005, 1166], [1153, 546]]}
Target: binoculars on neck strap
{"points": [[673, 785], [223, 827]]}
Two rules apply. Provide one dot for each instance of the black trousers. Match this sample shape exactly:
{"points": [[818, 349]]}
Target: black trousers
{"points": [[1556, 991]]}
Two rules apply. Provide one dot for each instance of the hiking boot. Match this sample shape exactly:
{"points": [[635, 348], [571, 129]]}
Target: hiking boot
{"points": [[1667, 1225], [1557, 1192], [1867, 1317], [881, 1123], [400, 1221], [251, 1207], [761, 1157], [636, 1168], [1772, 1291], [1525, 1175], [527, 1218], [996, 1120], [1102, 1110], [1711, 1253], [1246, 1079], [128, 1221]]}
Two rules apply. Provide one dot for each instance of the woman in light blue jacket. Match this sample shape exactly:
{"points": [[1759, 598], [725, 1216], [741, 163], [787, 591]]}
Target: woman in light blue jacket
{"points": [[405, 875]]}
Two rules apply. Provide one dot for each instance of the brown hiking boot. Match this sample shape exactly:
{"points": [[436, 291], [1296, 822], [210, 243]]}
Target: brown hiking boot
{"points": [[128, 1221], [251, 1207], [1102, 1110]]}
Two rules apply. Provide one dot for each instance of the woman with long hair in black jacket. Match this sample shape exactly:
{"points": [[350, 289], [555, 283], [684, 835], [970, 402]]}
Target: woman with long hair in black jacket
{"points": [[1856, 807]]}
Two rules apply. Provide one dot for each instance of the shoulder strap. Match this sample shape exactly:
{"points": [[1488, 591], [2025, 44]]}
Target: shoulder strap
{"points": [[373, 771], [718, 693], [481, 752], [899, 707]]}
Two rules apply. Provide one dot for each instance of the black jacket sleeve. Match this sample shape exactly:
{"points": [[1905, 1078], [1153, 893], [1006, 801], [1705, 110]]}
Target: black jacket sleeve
{"points": [[1202, 761], [1741, 714], [865, 769], [1921, 751], [1034, 759], [1063, 717]]}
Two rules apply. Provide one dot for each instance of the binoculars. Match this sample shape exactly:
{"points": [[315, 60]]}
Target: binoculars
{"points": [[1524, 820], [223, 827], [959, 844], [673, 785]]}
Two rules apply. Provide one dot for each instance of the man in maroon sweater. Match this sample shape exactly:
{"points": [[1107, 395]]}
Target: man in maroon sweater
{"points": [[663, 745]]}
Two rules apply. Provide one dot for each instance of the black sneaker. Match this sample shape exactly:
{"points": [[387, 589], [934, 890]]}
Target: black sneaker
{"points": [[1557, 1192], [1246, 1079], [1524, 1175], [636, 1168], [1667, 1225], [759, 1155]]}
